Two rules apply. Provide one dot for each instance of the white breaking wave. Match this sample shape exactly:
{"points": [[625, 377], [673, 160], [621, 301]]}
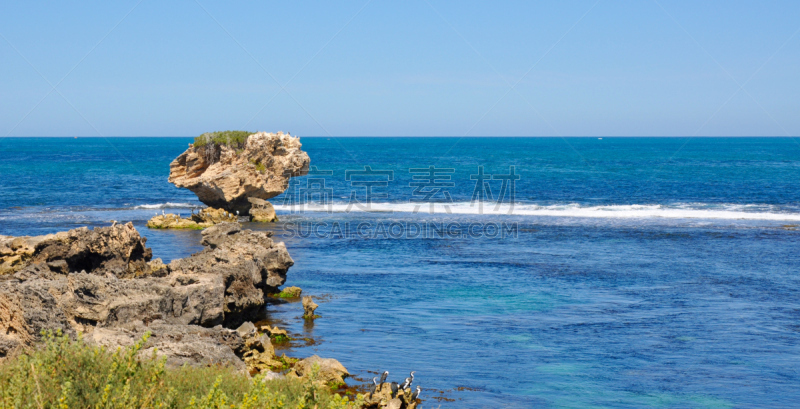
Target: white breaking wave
{"points": [[168, 205], [678, 211]]}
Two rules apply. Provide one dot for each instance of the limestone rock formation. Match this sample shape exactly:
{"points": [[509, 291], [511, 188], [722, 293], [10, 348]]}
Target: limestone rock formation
{"points": [[204, 218], [117, 250], [382, 398], [290, 292], [224, 176], [249, 262], [260, 354], [309, 306], [331, 371], [261, 211], [180, 344], [104, 279]]}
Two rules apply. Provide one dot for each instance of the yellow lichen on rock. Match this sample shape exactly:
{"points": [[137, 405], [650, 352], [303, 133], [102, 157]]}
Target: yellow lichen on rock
{"points": [[259, 354]]}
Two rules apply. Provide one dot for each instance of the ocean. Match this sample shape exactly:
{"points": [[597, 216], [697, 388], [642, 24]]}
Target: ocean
{"points": [[548, 272]]}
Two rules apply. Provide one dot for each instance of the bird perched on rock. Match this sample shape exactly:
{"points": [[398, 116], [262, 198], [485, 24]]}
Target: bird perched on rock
{"points": [[411, 375], [415, 395], [394, 389], [406, 384], [374, 386], [383, 377]]}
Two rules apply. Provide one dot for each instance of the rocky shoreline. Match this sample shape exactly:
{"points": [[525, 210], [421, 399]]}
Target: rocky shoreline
{"points": [[104, 285]]}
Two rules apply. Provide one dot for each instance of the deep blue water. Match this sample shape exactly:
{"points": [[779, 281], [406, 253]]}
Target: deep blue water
{"points": [[643, 272]]}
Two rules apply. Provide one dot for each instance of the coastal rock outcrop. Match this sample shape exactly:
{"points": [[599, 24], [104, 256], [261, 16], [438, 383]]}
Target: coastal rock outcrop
{"points": [[103, 283], [330, 372], [309, 306], [225, 171], [179, 344], [249, 262], [117, 250], [261, 211], [204, 218]]}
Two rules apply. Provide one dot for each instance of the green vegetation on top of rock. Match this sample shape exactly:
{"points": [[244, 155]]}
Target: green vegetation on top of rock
{"points": [[68, 373], [230, 138], [290, 292]]}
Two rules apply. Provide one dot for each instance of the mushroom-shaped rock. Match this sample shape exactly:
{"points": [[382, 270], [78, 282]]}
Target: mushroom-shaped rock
{"points": [[224, 169]]}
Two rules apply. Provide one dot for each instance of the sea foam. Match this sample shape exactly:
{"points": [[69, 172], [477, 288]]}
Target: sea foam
{"points": [[634, 211]]}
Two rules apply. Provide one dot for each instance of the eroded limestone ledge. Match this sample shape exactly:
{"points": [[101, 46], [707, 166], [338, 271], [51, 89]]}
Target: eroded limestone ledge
{"points": [[105, 284], [197, 221]]}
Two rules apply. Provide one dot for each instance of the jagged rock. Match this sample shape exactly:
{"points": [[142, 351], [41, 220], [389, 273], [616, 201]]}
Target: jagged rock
{"points": [[330, 372], [84, 280], [273, 331], [246, 329], [382, 397], [291, 292], [14, 330], [173, 221], [39, 311], [249, 262], [259, 354], [157, 268], [261, 211], [225, 177], [117, 250], [16, 251], [309, 306], [180, 344], [394, 404], [204, 218], [82, 301]]}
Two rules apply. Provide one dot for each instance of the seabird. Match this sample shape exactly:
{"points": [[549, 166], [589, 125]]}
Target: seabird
{"points": [[383, 377], [394, 389], [415, 395], [374, 386], [406, 384], [412, 375]]}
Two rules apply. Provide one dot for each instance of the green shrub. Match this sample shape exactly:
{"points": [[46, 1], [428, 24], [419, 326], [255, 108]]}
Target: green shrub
{"points": [[236, 139], [66, 373], [259, 166]]}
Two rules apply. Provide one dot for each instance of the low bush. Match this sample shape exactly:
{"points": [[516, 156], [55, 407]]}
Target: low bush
{"points": [[66, 373], [235, 139]]}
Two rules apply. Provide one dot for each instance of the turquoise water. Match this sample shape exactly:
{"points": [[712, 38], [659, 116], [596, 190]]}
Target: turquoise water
{"points": [[643, 272]]}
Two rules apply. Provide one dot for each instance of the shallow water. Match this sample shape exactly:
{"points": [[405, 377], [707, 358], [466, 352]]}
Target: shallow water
{"points": [[637, 277]]}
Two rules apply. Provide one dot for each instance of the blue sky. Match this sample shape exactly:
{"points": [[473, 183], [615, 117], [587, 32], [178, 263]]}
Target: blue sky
{"points": [[411, 68]]}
